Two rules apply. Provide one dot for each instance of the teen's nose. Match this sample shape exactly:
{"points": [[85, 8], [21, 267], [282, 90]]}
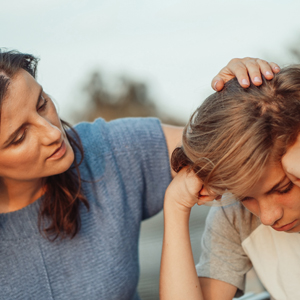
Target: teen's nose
{"points": [[270, 212]]}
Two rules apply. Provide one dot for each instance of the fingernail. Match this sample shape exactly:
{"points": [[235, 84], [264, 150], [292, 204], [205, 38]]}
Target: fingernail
{"points": [[215, 85], [257, 79], [269, 73], [245, 82], [277, 68]]}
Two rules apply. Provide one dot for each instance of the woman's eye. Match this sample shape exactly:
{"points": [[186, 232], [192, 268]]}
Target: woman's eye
{"points": [[19, 140], [43, 105]]}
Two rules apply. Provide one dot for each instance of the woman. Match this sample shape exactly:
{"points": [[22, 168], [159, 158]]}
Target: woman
{"points": [[72, 200], [236, 142]]}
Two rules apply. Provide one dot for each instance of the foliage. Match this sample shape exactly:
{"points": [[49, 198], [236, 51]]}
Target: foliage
{"points": [[129, 98]]}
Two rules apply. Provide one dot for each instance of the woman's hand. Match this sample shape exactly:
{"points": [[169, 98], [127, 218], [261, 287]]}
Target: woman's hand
{"points": [[242, 69], [291, 162], [186, 189]]}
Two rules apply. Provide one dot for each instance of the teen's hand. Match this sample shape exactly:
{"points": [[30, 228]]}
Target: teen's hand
{"points": [[242, 69], [291, 162], [186, 189]]}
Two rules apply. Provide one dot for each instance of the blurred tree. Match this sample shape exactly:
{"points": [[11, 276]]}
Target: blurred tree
{"points": [[128, 99]]}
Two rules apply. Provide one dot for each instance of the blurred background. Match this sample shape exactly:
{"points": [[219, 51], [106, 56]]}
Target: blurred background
{"points": [[146, 58]]}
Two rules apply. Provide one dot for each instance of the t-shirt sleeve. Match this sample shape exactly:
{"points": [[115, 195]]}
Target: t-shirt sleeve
{"points": [[133, 156], [222, 255]]}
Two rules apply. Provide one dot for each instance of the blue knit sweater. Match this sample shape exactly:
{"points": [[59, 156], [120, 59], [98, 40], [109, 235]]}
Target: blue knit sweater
{"points": [[127, 163]]}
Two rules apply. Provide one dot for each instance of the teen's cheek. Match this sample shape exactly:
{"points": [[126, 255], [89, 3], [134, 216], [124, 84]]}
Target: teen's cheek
{"points": [[252, 205]]}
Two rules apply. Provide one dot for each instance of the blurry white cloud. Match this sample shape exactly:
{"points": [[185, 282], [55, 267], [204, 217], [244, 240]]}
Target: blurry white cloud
{"points": [[178, 46]]}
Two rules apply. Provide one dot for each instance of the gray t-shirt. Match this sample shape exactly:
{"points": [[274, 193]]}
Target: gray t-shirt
{"points": [[235, 240], [126, 168]]}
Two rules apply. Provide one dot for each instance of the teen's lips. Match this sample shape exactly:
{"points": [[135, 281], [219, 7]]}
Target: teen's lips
{"points": [[286, 227], [59, 152]]}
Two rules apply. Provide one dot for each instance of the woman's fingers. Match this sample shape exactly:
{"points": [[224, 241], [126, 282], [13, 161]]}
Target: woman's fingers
{"points": [[235, 68], [245, 69], [275, 67]]}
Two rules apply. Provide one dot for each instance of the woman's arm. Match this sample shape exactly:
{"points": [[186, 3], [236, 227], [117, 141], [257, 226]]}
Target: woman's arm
{"points": [[178, 277]]}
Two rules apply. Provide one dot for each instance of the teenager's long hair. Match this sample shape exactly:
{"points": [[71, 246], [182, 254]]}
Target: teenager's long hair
{"points": [[60, 208], [233, 135]]}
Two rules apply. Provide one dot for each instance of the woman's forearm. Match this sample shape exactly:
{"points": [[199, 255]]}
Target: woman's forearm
{"points": [[178, 277]]}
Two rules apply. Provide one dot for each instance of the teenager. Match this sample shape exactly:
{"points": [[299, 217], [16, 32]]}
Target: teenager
{"points": [[244, 142]]}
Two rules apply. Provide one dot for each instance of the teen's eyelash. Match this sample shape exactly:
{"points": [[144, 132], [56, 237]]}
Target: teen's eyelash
{"points": [[244, 199], [286, 190]]}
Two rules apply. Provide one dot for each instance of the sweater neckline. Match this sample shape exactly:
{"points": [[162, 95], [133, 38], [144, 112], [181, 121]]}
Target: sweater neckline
{"points": [[22, 223]]}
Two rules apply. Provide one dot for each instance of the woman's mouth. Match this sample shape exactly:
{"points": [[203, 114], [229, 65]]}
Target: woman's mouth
{"points": [[59, 152]]}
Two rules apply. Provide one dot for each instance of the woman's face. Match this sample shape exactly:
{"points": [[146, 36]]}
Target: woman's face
{"points": [[275, 200], [33, 144]]}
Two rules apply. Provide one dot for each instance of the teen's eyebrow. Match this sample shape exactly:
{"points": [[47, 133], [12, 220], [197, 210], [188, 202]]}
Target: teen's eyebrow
{"points": [[276, 186], [15, 132]]}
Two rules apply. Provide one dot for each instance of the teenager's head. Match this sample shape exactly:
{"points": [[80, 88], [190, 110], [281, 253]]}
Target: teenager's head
{"points": [[35, 146], [235, 141]]}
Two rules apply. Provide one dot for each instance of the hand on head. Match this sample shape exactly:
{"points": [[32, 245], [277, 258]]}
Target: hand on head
{"points": [[242, 69], [187, 189]]}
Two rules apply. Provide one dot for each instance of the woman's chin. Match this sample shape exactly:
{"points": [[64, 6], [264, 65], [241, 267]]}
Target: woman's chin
{"points": [[64, 163]]}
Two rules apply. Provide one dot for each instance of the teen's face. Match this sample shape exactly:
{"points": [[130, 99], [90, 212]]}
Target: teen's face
{"points": [[275, 200], [33, 144]]}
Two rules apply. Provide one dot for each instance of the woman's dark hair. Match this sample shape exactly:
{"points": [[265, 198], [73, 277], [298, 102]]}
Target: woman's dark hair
{"points": [[63, 194]]}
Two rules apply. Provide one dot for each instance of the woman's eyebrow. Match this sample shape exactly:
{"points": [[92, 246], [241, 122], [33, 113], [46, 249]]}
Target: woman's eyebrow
{"points": [[15, 132], [276, 186]]}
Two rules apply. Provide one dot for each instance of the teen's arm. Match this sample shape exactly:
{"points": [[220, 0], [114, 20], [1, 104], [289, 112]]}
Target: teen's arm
{"points": [[214, 289], [178, 277]]}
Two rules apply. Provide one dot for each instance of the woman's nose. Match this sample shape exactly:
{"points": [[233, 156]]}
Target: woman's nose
{"points": [[50, 133], [270, 212]]}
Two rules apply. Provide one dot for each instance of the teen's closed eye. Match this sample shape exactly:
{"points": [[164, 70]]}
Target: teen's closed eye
{"points": [[289, 187], [245, 199]]}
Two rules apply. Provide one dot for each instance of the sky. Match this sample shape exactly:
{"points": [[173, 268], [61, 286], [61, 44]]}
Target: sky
{"points": [[176, 47]]}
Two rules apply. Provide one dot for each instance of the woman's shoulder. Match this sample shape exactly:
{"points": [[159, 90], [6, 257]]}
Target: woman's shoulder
{"points": [[120, 134], [92, 134], [139, 141]]}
